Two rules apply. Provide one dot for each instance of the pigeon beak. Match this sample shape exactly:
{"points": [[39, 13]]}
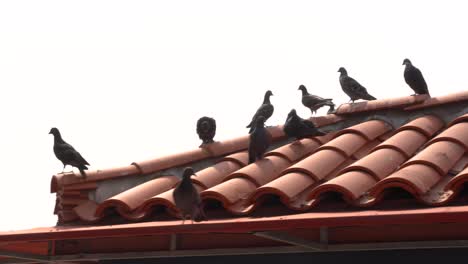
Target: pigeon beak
{"points": [[195, 175], [50, 132]]}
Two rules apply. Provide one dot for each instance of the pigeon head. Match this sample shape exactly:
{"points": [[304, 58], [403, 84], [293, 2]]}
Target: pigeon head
{"points": [[188, 172], [342, 70], [406, 62], [268, 93], [260, 120], [292, 112], [54, 131]]}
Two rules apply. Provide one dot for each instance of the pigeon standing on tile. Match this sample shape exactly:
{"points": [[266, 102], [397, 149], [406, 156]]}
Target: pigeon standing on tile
{"points": [[206, 129], [260, 140], [67, 154], [314, 102], [265, 110], [352, 88], [187, 199], [299, 128], [414, 78]]}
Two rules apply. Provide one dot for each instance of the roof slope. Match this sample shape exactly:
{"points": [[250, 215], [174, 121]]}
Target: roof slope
{"points": [[413, 143]]}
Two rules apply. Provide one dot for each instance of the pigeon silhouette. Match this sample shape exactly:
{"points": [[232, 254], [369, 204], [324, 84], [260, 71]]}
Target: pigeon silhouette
{"points": [[187, 199], [67, 154], [260, 140], [314, 102], [206, 129], [352, 88], [414, 78], [265, 110], [299, 128]]}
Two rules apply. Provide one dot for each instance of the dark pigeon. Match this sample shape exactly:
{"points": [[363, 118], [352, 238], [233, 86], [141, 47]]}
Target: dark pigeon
{"points": [[352, 88], [260, 140], [67, 154], [299, 128], [314, 102], [414, 78], [265, 110], [187, 199], [206, 129]]}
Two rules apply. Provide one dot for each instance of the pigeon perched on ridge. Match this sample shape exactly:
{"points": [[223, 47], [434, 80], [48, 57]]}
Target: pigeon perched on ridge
{"points": [[260, 140], [352, 88], [299, 128], [67, 154], [414, 78], [265, 110], [314, 102], [206, 129], [187, 199]]}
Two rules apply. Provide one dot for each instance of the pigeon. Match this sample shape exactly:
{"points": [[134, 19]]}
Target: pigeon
{"points": [[352, 88], [299, 128], [67, 154], [414, 78], [314, 102], [260, 140], [265, 110], [187, 199], [206, 129]]}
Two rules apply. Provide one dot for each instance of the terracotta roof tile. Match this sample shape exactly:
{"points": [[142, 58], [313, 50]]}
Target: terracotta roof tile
{"points": [[441, 100], [380, 104], [370, 129], [361, 159]]}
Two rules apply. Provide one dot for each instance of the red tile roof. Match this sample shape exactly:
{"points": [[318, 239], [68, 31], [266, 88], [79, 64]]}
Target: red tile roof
{"points": [[373, 147]]}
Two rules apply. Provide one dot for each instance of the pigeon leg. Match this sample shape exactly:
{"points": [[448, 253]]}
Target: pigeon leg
{"points": [[64, 165]]}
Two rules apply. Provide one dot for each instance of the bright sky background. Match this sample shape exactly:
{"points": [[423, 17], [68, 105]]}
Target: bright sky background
{"points": [[127, 80]]}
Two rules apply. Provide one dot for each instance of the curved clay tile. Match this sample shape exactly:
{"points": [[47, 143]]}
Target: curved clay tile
{"points": [[287, 187], [86, 211], [62, 179], [456, 183], [262, 171], [319, 164], [152, 165], [242, 158], [417, 178], [235, 195], [381, 104], [227, 146], [351, 184], [406, 142], [456, 133], [440, 100], [428, 125], [327, 137], [132, 198], [369, 129], [215, 174], [462, 118], [365, 150], [347, 144], [440, 155], [326, 120], [295, 150]]}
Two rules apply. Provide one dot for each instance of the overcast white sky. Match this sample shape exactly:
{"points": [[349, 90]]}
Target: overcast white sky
{"points": [[127, 80]]}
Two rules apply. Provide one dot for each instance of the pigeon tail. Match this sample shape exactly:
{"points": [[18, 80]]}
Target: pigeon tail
{"points": [[251, 156], [199, 214], [368, 97], [331, 110], [82, 170]]}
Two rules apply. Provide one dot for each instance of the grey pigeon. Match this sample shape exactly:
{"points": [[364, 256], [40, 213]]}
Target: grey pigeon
{"points": [[265, 110], [187, 199], [314, 102], [352, 88], [414, 78], [299, 128], [67, 154], [206, 129], [260, 140]]}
